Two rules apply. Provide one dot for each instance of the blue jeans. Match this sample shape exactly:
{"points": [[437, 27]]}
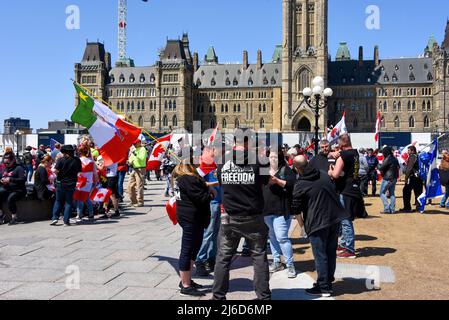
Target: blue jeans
{"points": [[280, 244], [167, 183], [80, 207], [121, 181], [389, 186], [445, 198], [63, 196], [208, 250], [346, 232], [29, 172]]}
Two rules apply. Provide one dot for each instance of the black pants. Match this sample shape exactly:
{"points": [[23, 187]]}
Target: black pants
{"points": [[372, 176], [255, 232], [324, 247], [364, 180], [414, 184], [11, 199], [192, 239]]}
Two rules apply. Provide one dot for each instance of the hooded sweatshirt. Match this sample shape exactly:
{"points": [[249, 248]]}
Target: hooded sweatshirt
{"points": [[316, 197], [17, 179], [242, 184]]}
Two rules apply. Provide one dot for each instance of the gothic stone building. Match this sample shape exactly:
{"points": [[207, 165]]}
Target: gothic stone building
{"points": [[178, 89]]}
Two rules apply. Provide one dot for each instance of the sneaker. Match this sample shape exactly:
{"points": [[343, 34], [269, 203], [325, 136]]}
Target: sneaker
{"points": [[54, 222], [79, 220], [276, 267], [192, 284], [291, 272], [191, 292], [104, 217], [201, 270], [318, 292], [13, 222], [116, 214], [340, 249], [405, 210], [346, 255], [67, 224]]}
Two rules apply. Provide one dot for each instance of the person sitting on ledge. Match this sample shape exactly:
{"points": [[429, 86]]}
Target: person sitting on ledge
{"points": [[12, 186]]}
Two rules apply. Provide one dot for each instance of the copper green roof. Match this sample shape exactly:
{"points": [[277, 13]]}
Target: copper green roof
{"points": [[431, 42], [343, 53], [211, 56], [277, 55]]}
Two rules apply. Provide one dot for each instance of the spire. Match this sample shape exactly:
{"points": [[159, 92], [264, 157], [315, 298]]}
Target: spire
{"points": [[277, 55], [343, 53], [445, 44], [211, 57]]}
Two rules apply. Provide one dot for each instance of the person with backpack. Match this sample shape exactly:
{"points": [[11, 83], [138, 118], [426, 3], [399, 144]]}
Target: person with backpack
{"points": [[390, 174]]}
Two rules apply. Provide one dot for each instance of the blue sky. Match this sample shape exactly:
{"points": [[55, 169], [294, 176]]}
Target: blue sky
{"points": [[38, 52]]}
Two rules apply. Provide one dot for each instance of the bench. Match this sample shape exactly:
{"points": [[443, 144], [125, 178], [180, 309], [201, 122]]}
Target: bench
{"points": [[30, 209]]}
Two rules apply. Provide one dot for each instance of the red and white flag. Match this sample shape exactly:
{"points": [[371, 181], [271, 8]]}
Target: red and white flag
{"points": [[171, 210], [212, 137], [101, 195], [376, 137], [159, 150], [85, 180], [404, 153], [339, 130]]}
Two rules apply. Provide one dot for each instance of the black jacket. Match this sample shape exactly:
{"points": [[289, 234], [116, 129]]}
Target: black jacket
{"points": [[316, 197], [278, 200], [192, 200], [390, 168], [17, 179], [40, 183], [242, 186], [320, 162]]}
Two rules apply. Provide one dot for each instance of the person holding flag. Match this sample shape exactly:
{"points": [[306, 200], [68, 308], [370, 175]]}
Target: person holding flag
{"points": [[412, 180], [433, 184], [339, 130], [87, 178]]}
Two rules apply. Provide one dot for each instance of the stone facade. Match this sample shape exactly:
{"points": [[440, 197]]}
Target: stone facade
{"points": [[412, 94]]}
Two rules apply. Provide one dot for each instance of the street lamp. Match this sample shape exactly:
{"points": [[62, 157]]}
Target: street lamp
{"points": [[320, 94], [18, 133]]}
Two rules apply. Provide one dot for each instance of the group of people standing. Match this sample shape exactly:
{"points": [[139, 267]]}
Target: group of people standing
{"points": [[243, 200]]}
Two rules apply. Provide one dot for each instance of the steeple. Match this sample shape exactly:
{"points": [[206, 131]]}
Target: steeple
{"points": [[343, 53], [211, 57], [445, 45]]}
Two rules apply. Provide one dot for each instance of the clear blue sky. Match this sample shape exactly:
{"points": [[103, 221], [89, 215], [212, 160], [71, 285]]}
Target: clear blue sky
{"points": [[38, 53]]}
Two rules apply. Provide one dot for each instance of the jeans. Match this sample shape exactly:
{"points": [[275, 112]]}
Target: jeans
{"points": [[346, 232], [445, 197], [279, 242], [167, 183], [121, 180], [253, 229], [324, 247], [192, 237], [208, 251], [80, 207], [63, 196], [390, 187], [29, 172]]}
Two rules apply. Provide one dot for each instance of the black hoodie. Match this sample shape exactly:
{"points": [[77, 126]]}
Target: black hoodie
{"points": [[17, 179], [242, 186], [316, 197]]}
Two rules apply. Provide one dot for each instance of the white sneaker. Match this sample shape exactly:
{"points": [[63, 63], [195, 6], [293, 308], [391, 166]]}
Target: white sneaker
{"points": [[291, 272], [54, 222]]}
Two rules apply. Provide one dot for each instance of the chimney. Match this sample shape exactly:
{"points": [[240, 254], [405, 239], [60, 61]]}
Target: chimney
{"points": [[360, 56], [195, 62], [245, 60], [259, 59], [108, 62], [376, 56]]}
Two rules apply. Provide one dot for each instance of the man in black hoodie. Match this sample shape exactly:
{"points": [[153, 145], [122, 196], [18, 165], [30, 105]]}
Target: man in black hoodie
{"points": [[322, 161], [12, 186], [316, 197], [242, 217]]}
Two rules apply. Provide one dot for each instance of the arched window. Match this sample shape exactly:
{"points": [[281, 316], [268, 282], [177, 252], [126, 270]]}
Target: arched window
{"points": [[227, 108], [175, 121], [382, 122], [212, 82], [409, 106], [265, 81], [153, 121], [235, 107], [385, 106], [222, 108], [262, 123], [132, 78], [170, 106], [228, 82], [424, 106], [152, 78], [224, 123], [128, 106], [151, 105], [235, 82], [395, 106], [122, 78], [238, 108], [142, 78], [273, 81], [411, 122], [143, 105], [237, 123], [429, 106], [132, 106], [250, 82], [140, 122], [166, 105], [213, 124], [426, 122], [414, 106], [399, 106], [165, 121], [397, 122], [303, 80], [138, 106], [174, 105]]}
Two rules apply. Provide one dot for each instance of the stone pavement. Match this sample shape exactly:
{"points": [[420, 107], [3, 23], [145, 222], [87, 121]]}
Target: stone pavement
{"points": [[134, 257]]}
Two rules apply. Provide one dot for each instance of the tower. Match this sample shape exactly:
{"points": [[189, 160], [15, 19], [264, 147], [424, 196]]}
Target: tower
{"points": [[304, 56], [440, 57]]}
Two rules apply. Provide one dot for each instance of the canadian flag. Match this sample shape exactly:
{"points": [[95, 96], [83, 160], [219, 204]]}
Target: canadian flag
{"points": [[154, 163], [212, 137], [404, 153], [85, 180], [171, 210], [376, 137], [101, 195], [339, 130]]}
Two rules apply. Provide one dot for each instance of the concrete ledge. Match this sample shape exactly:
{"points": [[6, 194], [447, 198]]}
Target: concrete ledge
{"points": [[30, 210]]}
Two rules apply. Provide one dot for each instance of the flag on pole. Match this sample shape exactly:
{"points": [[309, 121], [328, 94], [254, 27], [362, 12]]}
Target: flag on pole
{"points": [[339, 130], [378, 122], [433, 184], [212, 137], [53, 144], [101, 195], [159, 150], [111, 134]]}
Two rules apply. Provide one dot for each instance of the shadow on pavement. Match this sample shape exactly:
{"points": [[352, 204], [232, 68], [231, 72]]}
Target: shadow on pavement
{"points": [[351, 286], [362, 237], [372, 251], [174, 263]]}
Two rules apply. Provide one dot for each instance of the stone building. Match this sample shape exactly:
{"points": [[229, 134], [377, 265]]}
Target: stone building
{"points": [[410, 93]]}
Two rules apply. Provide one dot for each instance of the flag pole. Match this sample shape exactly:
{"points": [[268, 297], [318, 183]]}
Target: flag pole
{"points": [[438, 138], [126, 118]]}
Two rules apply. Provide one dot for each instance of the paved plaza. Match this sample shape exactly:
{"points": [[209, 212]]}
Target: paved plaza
{"points": [[134, 257]]}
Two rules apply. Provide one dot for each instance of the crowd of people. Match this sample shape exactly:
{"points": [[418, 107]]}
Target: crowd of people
{"points": [[218, 205]]}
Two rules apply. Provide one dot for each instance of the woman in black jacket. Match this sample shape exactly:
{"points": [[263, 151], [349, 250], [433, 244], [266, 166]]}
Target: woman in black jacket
{"points": [[277, 210], [41, 180], [390, 174], [193, 199]]}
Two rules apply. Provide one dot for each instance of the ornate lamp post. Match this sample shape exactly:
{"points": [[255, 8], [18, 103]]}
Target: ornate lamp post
{"points": [[316, 99]]}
